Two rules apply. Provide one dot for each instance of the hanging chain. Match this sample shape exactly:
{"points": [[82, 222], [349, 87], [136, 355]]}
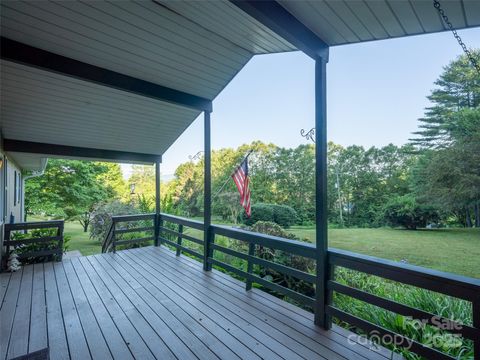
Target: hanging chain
{"points": [[310, 135], [469, 54]]}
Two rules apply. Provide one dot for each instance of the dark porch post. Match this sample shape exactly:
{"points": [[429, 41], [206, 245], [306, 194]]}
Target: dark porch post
{"points": [[157, 203], [207, 193], [321, 318]]}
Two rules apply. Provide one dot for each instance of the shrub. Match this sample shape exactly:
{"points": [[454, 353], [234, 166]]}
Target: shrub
{"points": [[102, 217], [38, 246], [260, 212], [407, 212], [282, 215]]}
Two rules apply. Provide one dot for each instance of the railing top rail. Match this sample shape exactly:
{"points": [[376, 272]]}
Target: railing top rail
{"points": [[450, 284], [180, 220], [122, 218], [34, 225], [291, 246], [446, 283]]}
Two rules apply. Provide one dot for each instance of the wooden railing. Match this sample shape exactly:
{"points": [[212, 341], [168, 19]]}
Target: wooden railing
{"points": [[174, 227], [175, 231], [456, 286], [256, 241], [128, 230], [35, 241]]}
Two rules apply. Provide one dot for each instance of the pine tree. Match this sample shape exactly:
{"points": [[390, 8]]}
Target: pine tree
{"points": [[458, 88]]}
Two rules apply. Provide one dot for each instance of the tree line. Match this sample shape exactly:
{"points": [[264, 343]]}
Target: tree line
{"points": [[434, 179]]}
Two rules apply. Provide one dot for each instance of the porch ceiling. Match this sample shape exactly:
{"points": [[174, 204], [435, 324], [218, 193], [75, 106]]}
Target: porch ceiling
{"points": [[143, 40], [340, 22], [194, 48]]}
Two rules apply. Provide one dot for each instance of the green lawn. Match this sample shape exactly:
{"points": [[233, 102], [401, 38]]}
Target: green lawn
{"points": [[451, 250], [81, 240]]}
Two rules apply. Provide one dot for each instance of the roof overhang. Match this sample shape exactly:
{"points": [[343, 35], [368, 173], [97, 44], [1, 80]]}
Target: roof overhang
{"points": [[129, 77]]}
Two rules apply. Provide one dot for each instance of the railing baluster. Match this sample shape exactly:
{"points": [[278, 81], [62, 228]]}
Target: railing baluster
{"points": [[160, 225], [329, 299], [114, 240], [179, 239], [60, 241], [251, 252]]}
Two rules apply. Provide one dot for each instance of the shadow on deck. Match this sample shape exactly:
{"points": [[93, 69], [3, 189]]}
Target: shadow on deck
{"points": [[147, 303]]}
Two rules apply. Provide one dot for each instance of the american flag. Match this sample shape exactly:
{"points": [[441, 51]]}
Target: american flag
{"points": [[240, 177]]}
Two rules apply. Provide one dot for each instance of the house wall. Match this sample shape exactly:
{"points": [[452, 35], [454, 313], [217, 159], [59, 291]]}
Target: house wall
{"points": [[10, 193], [13, 193], [2, 197]]}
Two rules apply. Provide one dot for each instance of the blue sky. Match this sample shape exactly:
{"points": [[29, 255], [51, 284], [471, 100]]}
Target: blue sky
{"points": [[376, 91]]}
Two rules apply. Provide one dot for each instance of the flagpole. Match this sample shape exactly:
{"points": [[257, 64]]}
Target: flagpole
{"points": [[233, 172]]}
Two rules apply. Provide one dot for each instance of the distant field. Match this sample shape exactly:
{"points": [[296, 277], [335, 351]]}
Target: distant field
{"points": [[451, 250]]}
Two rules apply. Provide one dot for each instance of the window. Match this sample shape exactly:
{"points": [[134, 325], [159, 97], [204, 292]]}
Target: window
{"points": [[14, 188], [19, 186], [3, 165]]}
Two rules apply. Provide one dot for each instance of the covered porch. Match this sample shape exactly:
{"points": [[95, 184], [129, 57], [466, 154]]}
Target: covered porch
{"points": [[121, 81], [146, 303]]}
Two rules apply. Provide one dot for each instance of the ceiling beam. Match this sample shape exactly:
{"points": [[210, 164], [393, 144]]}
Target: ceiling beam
{"points": [[274, 16], [30, 147], [18, 52]]}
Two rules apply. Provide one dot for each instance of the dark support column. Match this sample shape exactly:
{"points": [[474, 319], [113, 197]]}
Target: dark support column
{"points": [[157, 203], [321, 318], [207, 194]]}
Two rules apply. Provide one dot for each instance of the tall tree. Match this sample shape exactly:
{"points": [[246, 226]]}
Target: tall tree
{"points": [[458, 88], [448, 175], [68, 188]]}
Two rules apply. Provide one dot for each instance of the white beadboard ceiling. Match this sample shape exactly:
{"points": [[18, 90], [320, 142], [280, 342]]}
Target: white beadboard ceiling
{"points": [[339, 22], [193, 46]]}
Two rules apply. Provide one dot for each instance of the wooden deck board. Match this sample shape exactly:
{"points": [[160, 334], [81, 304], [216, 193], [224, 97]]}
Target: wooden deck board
{"points": [[169, 319], [277, 341], [7, 312], [38, 339], [268, 322], [132, 337], [21, 323], [57, 339], [147, 303], [292, 315], [117, 345], [73, 328], [93, 334]]}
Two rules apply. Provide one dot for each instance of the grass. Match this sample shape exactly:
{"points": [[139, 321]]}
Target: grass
{"points": [[451, 250], [81, 240]]}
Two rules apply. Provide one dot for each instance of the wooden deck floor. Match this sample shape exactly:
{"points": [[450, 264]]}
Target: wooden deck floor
{"points": [[148, 304]]}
